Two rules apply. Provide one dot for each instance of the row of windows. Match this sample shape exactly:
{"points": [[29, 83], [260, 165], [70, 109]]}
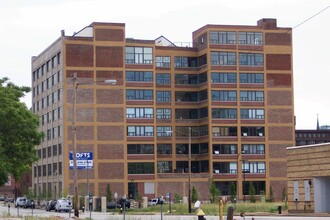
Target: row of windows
{"points": [[231, 95], [196, 167], [47, 66], [230, 37], [50, 151], [51, 116], [47, 84], [233, 131], [230, 59], [54, 133], [48, 169], [47, 101], [181, 131], [232, 77], [227, 113]]}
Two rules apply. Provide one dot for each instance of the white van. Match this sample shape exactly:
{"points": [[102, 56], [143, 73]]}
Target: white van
{"points": [[20, 202]]}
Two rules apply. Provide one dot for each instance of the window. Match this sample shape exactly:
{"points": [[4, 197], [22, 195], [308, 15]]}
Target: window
{"points": [[251, 59], [54, 150], [252, 38], [224, 113], [59, 57], [49, 169], [141, 168], [223, 77], [164, 148], [163, 61], [251, 78], [44, 171], [163, 79], [253, 148], [164, 131], [202, 148], [252, 113], [49, 151], [256, 96], [223, 58], [224, 131], [163, 96], [139, 94], [185, 96], [253, 131], [139, 112], [181, 167], [53, 61], [223, 95], [163, 113], [185, 62], [186, 79], [200, 166], [196, 131], [253, 167], [222, 37], [49, 134], [224, 167], [140, 131], [224, 149], [164, 167], [139, 55], [55, 168], [182, 149], [191, 113], [59, 149], [132, 76], [140, 149], [60, 168]]}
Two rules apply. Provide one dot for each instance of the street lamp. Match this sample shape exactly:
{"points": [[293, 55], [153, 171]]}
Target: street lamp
{"points": [[37, 191], [74, 136], [237, 188], [244, 171]]}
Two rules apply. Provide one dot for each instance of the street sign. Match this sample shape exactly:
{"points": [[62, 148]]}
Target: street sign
{"points": [[84, 160]]}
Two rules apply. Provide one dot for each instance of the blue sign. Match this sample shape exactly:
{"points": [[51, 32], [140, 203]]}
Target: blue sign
{"points": [[84, 160]]}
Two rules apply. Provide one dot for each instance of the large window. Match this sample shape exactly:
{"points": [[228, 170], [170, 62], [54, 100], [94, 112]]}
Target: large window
{"points": [[163, 79], [139, 112], [141, 168], [185, 62], [137, 76], [164, 167], [255, 96], [163, 61], [253, 167], [139, 94], [186, 79], [191, 113], [163, 96], [253, 131], [225, 167], [224, 113], [223, 58], [223, 95], [140, 131], [140, 55], [253, 148], [251, 59], [224, 131], [140, 149], [223, 77], [251, 78], [222, 37], [252, 38], [163, 113], [164, 148], [200, 166], [252, 113], [224, 148], [164, 131]]}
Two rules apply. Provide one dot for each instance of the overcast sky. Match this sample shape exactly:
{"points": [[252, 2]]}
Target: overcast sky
{"points": [[28, 27]]}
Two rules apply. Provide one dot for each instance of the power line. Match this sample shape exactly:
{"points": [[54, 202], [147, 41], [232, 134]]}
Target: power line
{"points": [[311, 17]]}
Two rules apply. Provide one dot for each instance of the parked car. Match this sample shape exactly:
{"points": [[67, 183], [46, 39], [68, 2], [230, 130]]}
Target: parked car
{"points": [[20, 202], [10, 199], [113, 205], [152, 202], [2, 198], [63, 205], [127, 203], [50, 205], [29, 204]]}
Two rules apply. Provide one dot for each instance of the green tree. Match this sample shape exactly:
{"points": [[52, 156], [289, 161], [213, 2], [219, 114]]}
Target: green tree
{"points": [[109, 193], [18, 132], [214, 191], [271, 194], [252, 192], [194, 195], [232, 192]]}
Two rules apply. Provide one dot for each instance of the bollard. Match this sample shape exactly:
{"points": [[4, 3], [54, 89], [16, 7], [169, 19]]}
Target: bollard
{"points": [[279, 208], [230, 213], [221, 209], [8, 208]]}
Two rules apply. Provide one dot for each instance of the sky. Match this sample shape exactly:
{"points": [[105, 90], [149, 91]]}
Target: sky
{"points": [[28, 27]]}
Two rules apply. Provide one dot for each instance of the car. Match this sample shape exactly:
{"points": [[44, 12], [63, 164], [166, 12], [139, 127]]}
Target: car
{"points": [[63, 205], [2, 198], [50, 205], [10, 199], [113, 205], [127, 203], [152, 202], [29, 204], [20, 202]]}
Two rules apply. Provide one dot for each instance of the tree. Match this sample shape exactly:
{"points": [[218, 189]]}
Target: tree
{"points": [[252, 192], [232, 192], [18, 132], [214, 191], [271, 194], [109, 194], [194, 195]]}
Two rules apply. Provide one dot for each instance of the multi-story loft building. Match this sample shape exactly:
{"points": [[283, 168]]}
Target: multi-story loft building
{"points": [[228, 98], [310, 137]]}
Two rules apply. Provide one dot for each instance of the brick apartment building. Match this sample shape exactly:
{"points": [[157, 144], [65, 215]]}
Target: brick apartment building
{"points": [[228, 96]]}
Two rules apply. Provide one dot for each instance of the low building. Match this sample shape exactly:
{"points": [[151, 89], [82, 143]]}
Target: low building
{"points": [[308, 173]]}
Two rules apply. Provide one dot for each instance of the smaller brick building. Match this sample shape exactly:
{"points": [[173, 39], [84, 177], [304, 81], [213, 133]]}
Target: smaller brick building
{"points": [[308, 173]]}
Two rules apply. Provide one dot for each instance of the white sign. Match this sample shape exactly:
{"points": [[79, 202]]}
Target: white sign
{"points": [[295, 191], [307, 187]]}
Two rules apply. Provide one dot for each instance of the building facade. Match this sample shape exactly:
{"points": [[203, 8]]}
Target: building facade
{"points": [[228, 97]]}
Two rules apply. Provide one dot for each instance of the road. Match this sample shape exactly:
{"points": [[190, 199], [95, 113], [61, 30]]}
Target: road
{"points": [[110, 216]]}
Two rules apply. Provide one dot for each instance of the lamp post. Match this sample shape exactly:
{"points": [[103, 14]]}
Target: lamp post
{"points": [[75, 85], [37, 190], [189, 171], [237, 188]]}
